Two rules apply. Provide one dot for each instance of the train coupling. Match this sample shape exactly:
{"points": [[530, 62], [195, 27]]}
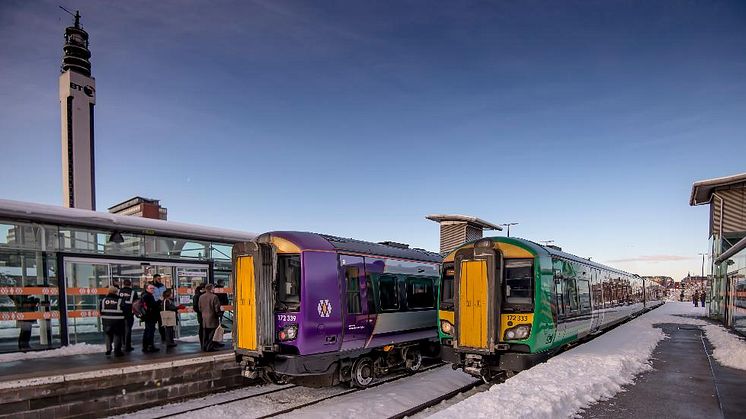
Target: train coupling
{"points": [[473, 365]]}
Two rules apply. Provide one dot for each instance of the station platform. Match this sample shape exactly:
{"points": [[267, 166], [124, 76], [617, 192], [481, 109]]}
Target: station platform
{"points": [[95, 385], [686, 382]]}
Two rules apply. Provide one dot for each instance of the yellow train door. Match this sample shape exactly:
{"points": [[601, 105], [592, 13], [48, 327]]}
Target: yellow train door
{"points": [[246, 304], [473, 302]]}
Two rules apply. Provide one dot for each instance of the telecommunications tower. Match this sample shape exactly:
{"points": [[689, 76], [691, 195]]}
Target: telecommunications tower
{"points": [[77, 99]]}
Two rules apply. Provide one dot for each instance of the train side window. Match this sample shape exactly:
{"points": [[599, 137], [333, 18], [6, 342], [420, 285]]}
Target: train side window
{"points": [[420, 292], [388, 292], [352, 280], [584, 295], [558, 292], [571, 295]]}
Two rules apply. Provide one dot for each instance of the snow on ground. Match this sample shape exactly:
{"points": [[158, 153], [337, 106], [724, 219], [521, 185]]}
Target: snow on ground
{"points": [[591, 372], [77, 349], [729, 350], [390, 398]]}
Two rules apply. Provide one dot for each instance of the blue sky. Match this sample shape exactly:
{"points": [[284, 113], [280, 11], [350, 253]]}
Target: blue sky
{"points": [[585, 122]]}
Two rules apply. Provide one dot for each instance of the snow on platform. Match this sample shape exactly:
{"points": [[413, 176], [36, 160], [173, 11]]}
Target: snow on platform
{"points": [[594, 371]]}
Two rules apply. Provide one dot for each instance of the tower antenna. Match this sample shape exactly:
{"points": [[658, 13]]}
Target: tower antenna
{"points": [[76, 16]]}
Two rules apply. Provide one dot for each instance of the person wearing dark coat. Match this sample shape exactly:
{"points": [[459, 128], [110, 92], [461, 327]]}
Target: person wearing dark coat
{"points": [[129, 296], [195, 306], [209, 306], [112, 318], [167, 304], [702, 297], [151, 318], [695, 298]]}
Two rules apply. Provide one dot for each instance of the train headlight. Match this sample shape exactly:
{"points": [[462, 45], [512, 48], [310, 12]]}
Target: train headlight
{"points": [[518, 333], [288, 332], [446, 327]]}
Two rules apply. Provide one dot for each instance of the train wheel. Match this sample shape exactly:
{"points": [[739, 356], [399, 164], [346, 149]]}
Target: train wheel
{"points": [[277, 378], [362, 372], [413, 360]]}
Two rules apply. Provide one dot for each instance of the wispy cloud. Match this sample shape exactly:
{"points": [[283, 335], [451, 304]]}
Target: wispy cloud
{"points": [[653, 258]]}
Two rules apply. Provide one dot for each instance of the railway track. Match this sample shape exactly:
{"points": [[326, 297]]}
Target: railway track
{"points": [[188, 410]]}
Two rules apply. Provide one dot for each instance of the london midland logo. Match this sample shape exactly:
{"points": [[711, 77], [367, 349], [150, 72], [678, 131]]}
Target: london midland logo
{"points": [[324, 308]]}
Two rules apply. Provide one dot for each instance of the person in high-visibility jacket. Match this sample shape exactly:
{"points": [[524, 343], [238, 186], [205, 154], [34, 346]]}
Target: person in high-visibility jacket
{"points": [[112, 318]]}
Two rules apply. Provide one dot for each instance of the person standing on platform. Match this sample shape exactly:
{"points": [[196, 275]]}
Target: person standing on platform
{"points": [[681, 296], [158, 295], [168, 306], [129, 296], [702, 297], [151, 317], [195, 306], [112, 318], [209, 306], [695, 298]]}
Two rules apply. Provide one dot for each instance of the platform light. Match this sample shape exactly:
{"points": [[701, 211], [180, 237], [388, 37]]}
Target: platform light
{"points": [[116, 237]]}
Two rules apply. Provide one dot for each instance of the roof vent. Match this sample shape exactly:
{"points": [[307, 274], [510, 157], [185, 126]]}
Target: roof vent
{"points": [[557, 248], [395, 244]]}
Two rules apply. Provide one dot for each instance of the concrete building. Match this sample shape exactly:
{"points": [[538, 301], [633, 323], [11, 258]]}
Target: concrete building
{"points": [[77, 100], [141, 207], [726, 197], [456, 230]]}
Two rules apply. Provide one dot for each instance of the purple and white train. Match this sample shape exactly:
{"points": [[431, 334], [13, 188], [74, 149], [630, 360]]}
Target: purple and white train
{"points": [[318, 310]]}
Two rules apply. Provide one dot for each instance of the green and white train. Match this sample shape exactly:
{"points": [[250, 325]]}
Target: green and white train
{"points": [[507, 304]]}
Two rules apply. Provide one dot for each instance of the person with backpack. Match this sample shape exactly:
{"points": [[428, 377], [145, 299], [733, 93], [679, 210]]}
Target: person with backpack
{"points": [[112, 318], [151, 316], [129, 296]]}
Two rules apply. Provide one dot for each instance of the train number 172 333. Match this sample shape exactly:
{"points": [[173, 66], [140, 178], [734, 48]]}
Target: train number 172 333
{"points": [[517, 317]]}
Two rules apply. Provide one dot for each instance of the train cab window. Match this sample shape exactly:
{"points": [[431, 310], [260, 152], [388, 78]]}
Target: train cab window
{"points": [[420, 292], [446, 288], [518, 281], [352, 280], [388, 292], [288, 283]]}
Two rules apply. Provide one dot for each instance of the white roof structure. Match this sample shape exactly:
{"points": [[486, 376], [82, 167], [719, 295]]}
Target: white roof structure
{"points": [[702, 190], [42, 213], [476, 222]]}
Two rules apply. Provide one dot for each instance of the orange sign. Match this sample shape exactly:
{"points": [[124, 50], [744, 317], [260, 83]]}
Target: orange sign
{"points": [[82, 313], [87, 291], [190, 291], [28, 291], [30, 315]]}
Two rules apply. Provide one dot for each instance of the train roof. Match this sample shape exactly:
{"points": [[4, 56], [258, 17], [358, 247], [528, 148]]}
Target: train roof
{"points": [[51, 214], [316, 241], [539, 248]]}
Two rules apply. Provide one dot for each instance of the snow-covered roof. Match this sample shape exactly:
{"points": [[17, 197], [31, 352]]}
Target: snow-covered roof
{"points": [[41, 213], [477, 222], [702, 190]]}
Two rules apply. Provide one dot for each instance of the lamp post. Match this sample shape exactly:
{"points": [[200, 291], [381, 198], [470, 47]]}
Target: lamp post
{"points": [[508, 226], [703, 263]]}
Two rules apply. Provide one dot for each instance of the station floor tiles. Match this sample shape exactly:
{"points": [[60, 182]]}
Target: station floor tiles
{"points": [[43, 367], [685, 382]]}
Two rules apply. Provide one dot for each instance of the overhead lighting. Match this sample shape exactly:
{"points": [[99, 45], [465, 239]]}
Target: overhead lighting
{"points": [[116, 237]]}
